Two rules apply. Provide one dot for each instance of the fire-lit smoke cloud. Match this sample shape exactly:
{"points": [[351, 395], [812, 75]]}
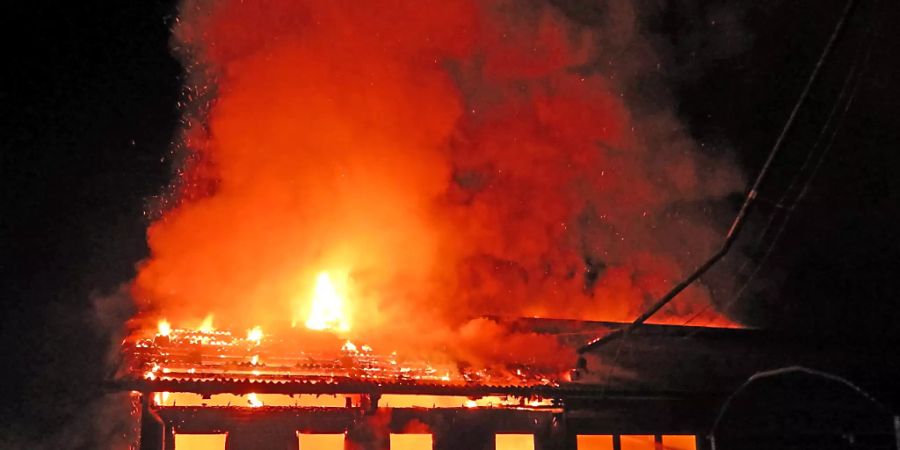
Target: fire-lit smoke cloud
{"points": [[446, 159]]}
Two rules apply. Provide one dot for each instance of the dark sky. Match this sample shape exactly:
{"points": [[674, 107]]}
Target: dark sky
{"points": [[89, 110]]}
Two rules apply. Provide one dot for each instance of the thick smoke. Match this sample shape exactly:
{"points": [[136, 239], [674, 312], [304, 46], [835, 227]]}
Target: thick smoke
{"points": [[450, 159]]}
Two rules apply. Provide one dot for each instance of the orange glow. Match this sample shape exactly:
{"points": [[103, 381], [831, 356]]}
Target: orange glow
{"points": [[200, 441], [254, 401], [163, 328], [331, 401], [191, 399], [594, 442], [328, 310], [349, 347], [151, 374], [515, 442], [207, 325], [444, 163], [679, 442], [411, 441], [255, 335], [316, 441], [638, 442], [160, 398]]}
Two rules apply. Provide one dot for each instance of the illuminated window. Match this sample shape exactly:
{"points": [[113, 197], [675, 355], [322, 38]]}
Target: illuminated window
{"points": [[515, 442], [309, 441], [679, 442], [410, 441], [638, 442], [594, 442], [200, 441]]}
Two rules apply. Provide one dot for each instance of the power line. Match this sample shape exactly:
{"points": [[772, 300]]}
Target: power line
{"points": [[788, 209], [752, 193], [846, 96]]}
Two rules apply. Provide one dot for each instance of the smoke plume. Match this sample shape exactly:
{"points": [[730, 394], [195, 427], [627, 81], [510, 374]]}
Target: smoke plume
{"points": [[449, 159]]}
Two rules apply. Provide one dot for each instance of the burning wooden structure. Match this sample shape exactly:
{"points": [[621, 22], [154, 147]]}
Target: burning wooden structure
{"points": [[211, 390]]}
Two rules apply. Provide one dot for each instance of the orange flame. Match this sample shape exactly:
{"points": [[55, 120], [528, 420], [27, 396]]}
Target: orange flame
{"points": [[255, 335], [349, 347], [254, 401], [163, 328], [160, 398], [524, 187], [207, 325], [327, 311]]}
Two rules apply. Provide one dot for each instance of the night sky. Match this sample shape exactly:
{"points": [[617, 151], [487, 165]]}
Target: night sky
{"points": [[89, 113]]}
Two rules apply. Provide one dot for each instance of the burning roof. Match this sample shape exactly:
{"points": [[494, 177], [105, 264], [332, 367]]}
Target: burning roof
{"points": [[212, 361], [179, 355]]}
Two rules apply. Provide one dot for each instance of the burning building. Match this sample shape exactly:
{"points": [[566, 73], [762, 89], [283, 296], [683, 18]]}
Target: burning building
{"points": [[415, 212], [211, 389]]}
